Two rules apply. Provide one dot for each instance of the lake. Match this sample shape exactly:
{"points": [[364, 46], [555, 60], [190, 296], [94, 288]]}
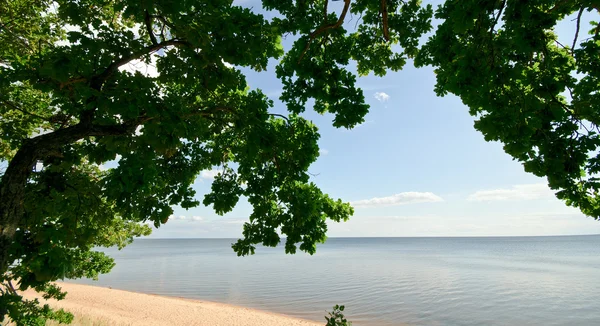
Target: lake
{"points": [[381, 281]]}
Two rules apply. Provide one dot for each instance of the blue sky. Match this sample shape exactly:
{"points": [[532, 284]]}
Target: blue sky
{"points": [[416, 167]]}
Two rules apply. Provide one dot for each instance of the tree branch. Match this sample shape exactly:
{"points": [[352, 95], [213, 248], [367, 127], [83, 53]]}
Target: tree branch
{"points": [[72, 81], [98, 80], [17, 37], [325, 28], [11, 287], [14, 106], [384, 16], [279, 115], [148, 22], [498, 16], [577, 30], [164, 21]]}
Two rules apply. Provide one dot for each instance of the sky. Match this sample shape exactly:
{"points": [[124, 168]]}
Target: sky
{"points": [[415, 167]]}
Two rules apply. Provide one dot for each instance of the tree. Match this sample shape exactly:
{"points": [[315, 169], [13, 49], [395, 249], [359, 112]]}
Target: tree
{"points": [[542, 101], [68, 107]]}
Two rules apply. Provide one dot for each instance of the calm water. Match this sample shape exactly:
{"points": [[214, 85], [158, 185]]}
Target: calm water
{"points": [[382, 281]]}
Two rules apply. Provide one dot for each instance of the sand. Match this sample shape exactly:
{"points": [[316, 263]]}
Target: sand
{"points": [[117, 307]]}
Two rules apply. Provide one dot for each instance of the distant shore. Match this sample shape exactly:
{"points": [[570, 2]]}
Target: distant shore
{"points": [[118, 307]]}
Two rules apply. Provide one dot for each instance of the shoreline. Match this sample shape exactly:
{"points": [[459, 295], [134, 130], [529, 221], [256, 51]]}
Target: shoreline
{"points": [[120, 307]]}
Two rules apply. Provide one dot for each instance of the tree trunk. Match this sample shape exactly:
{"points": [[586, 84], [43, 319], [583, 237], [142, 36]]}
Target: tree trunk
{"points": [[12, 195], [14, 180]]}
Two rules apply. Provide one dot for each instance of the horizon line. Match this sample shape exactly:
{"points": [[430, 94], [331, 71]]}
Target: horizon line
{"points": [[393, 237]]}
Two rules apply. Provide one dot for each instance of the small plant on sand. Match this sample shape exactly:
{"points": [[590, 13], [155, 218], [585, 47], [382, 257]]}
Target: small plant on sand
{"points": [[336, 317]]}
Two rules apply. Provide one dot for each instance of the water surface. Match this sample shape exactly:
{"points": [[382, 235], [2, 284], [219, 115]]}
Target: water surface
{"points": [[382, 281]]}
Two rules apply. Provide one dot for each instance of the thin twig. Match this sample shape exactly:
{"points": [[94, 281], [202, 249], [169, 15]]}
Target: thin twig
{"points": [[14, 106], [358, 21], [23, 41], [498, 16], [577, 30], [279, 115]]}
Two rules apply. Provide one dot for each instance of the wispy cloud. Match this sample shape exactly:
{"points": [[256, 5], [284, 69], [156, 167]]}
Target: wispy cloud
{"points": [[186, 218], [516, 192], [403, 198], [209, 174], [323, 151], [381, 96]]}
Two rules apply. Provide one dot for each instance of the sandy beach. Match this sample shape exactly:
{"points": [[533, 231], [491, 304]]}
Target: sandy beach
{"points": [[117, 307]]}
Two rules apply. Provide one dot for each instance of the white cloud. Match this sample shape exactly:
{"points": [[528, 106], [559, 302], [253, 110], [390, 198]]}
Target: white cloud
{"points": [[323, 151], [403, 198], [209, 174], [517, 192], [454, 221], [381, 96], [186, 218]]}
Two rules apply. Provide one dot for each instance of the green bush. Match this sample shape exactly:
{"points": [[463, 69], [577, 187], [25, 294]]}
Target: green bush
{"points": [[336, 317]]}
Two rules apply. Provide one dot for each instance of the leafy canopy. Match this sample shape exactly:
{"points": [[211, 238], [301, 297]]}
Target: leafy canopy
{"points": [[68, 106], [537, 95]]}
